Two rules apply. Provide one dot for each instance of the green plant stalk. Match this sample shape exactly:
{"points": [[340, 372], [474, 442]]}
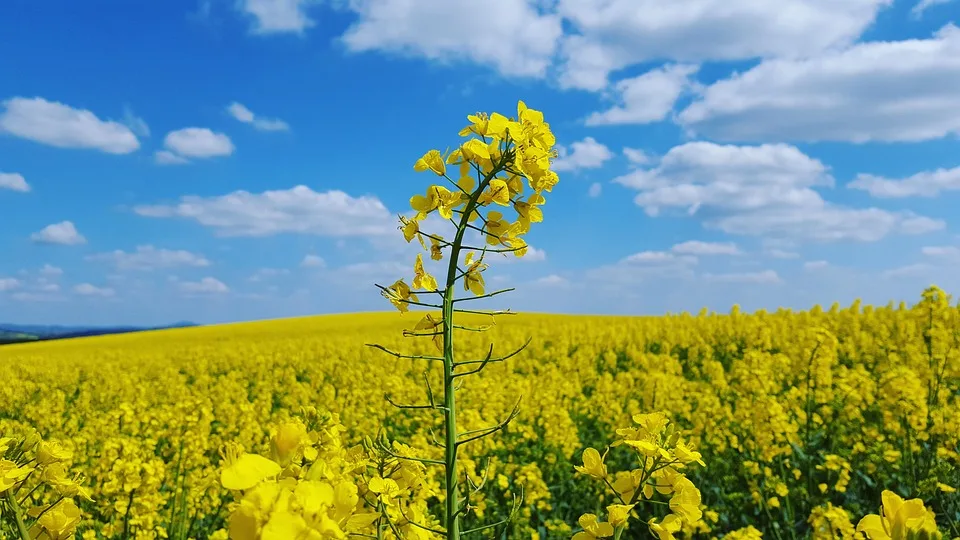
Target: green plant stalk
{"points": [[449, 390], [17, 517]]}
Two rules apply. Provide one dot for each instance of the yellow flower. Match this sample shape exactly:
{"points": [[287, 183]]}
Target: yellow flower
{"points": [[288, 439], [398, 294], [52, 452], [431, 160], [946, 488], [686, 500], [243, 471], [421, 279], [431, 324], [592, 464], [618, 514], [473, 278], [11, 474], [592, 529], [899, 520], [56, 523], [665, 529]]}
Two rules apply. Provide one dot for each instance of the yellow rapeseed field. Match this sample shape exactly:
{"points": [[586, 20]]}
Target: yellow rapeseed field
{"points": [[802, 418]]}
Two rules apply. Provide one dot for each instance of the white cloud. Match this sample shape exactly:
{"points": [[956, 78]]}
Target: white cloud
{"points": [[50, 270], [766, 276], [86, 289], [585, 154], [659, 257], [815, 265], [14, 182], [696, 247], [637, 156], [553, 280], [922, 184], [9, 284], [150, 258], [872, 91], [923, 5], [165, 157], [296, 210], [278, 16], [910, 270], [519, 40], [613, 34], [195, 142], [533, 255], [595, 189], [762, 190], [56, 124], [313, 261], [648, 97], [267, 273], [64, 233], [782, 254], [944, 252], [135, 123], [205, 285], [245, 115]]}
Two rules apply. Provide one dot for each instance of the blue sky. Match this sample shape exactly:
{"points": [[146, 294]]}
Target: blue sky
{"points": [[227, 160]]}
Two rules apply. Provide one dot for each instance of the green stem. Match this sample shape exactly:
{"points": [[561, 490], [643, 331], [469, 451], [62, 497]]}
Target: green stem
{"points": [[449, 386], [17, 517]]}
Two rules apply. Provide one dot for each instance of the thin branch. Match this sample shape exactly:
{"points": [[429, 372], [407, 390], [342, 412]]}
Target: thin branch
{"points": [[428, 406], [491, 430], [386, 292], [425, 461], [419, 526], [488, 359], [484, 295], [407, 356], [474, 328], [491, 313]]}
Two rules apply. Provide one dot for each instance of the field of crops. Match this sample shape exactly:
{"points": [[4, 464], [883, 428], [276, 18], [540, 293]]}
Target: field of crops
{"points": [[802, 418]]}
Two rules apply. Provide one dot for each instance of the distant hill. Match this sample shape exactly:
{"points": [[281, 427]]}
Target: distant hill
{"points": [[19, 333]]}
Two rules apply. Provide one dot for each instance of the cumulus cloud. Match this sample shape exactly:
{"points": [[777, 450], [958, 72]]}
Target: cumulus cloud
{"points": [[193, 142], [766, 276], [63, 233], [941, 252], [871, 91], [56, 124], [920, 7], [922, 184], [245, 115], [519, 41], [313, 261], [49, 270], [648, 97], [637, 156], [815, 265], [148, 257], [585, 154], [87, 289], [14, 182], [765, 190], [614, 34], [295, 210], [696, 247], [9, 284], [278, 16], [207, 285]]}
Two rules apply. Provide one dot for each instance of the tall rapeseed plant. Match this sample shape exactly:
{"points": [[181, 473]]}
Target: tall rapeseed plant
{"points": [[501, 159]]}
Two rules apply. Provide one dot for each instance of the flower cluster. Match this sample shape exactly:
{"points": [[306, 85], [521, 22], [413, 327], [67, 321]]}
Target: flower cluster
{"points": [[662, 456], [37, 491]]}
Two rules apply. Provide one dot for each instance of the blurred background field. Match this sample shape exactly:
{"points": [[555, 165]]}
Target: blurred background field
{"points": [[803, 418]]}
